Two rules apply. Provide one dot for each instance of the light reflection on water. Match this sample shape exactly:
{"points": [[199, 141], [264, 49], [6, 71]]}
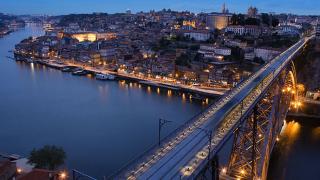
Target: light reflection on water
{"points": [[296, 155], [110, 121], [290, 134], [316, 133]]}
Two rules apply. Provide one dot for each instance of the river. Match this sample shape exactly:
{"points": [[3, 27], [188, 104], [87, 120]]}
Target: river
{"points": [[100, 125], [296, 155]]}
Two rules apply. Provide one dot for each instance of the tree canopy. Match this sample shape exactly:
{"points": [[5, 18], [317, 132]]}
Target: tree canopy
{"points": [[48, 157]]}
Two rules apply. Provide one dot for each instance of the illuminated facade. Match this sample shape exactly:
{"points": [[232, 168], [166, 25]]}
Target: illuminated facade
{"points": [[189, 23], [85, 36], [93, 36], [218, 21]]}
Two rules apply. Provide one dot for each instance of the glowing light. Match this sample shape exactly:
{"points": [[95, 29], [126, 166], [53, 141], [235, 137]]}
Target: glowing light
{"points": [[278, 139], [63, 175], [242, 172], [158, 90], [187, 171], [224, 170], [19, 170], [202, 155]]}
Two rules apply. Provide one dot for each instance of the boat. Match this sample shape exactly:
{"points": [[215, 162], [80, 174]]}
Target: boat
{"points": [[29, 60], [101, 76], [197, 97], [111, 77], [76, 69], [67, 69], [80, 72]]}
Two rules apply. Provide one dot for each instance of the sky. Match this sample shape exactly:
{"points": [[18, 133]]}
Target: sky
{"points": [[56, 7]]}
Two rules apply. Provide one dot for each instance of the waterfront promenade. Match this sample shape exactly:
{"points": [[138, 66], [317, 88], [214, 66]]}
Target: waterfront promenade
{"points": [[212, 92]]}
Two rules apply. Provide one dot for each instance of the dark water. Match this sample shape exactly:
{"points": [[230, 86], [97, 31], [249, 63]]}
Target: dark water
{"points": [[100, 125], [297, 155]]}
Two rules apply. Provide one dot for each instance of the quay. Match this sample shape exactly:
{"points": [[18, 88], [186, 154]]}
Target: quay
{"points": [[309, 109], [211, 93]]}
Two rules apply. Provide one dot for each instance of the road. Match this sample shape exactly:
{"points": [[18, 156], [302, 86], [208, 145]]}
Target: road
{"points": [[185, 153]]}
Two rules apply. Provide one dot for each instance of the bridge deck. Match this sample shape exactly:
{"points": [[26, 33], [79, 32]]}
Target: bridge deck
{"points": [[184, 154]]}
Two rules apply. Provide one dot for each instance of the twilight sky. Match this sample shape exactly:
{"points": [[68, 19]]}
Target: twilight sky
{"points": [[54, 7]]}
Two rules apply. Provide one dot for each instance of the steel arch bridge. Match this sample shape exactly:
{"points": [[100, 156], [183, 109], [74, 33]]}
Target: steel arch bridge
{"points": [[250, 116]]}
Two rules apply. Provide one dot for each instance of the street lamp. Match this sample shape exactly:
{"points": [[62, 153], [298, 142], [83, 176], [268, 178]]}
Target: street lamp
{"points": [[209, 135], [77, 175], [162, 122]]}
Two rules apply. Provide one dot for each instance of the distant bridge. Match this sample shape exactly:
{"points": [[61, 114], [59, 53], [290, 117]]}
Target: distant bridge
{"points": [[252, 113]]}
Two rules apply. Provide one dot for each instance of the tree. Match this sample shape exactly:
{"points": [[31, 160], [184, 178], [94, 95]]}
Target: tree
{"points": [[275, 22], [258, 60], [252, 21], [238, 19], [265, 19], [183, 60], [48, 157]]}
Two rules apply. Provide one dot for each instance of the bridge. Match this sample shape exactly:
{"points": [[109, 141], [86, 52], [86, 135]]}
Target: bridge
{"points": [[249, 118]]}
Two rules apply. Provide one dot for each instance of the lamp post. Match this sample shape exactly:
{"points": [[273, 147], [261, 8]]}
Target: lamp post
{"points": [[209, 135], [77, 175], [162, 122]]}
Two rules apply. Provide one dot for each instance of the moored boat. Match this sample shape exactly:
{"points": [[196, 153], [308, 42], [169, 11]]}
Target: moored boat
{"points": [[101, 76]]}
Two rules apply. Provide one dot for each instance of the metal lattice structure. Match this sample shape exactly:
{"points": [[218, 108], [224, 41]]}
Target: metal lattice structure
{"points": [[255, 138], [249, 118]]}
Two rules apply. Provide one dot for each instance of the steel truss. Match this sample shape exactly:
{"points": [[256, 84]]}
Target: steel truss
{"points": [[255, 137]]}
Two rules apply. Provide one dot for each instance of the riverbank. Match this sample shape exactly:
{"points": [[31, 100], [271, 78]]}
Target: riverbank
{"points": [[101, 126], [197, 91]]}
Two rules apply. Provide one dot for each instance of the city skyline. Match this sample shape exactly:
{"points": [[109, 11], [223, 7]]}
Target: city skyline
{"points": [[83, 6]]}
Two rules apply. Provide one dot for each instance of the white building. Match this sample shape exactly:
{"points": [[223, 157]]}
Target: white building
{"points": [[244, 30], [235, 43], [249, 56], [222, 51], [237, 30], [266, 54], [198, 35], [288, 29]]}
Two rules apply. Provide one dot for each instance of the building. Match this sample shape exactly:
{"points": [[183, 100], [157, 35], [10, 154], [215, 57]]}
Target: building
{"points": [[288, 29], [85, 36], [223, 51], [244, 30], [218, 21], [197, 35], [252, 11], [318, 31], [266, 54], [249, 56], [7, 169], [40, 174], [236, 43], [189, 23], [93, 36]]}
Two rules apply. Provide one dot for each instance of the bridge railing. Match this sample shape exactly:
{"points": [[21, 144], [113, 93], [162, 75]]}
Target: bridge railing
{"points": [[144, 157], [232, 117], [123, 172]]}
